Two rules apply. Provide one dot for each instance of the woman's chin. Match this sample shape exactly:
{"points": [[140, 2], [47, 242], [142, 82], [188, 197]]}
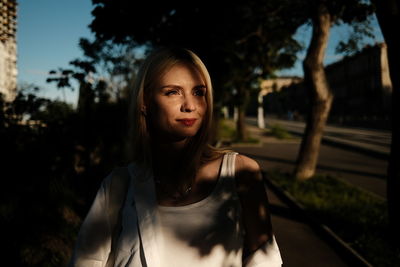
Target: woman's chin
{"points": [[184, 133], [182, 137], [175, 137]]}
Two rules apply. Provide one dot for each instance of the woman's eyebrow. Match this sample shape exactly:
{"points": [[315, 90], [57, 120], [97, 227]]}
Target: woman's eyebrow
{"points": [[199, 86], [171, 86]]}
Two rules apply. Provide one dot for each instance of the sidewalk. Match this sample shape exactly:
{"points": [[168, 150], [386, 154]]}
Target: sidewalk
{"points": [[301, 243]]}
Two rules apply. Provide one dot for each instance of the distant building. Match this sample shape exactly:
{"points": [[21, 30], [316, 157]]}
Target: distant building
{"points": [[361, 86], [276, 84], [8, 49], [361, 83], [281, 95]]}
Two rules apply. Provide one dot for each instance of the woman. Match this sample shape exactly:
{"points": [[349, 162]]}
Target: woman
{"points": [[181, 202]]}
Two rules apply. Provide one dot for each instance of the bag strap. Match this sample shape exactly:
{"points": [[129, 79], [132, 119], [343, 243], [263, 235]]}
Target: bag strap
{"points": [[117, 195]]}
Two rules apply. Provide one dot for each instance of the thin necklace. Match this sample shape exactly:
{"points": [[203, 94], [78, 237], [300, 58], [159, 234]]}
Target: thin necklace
{"points": [[174, 195]]}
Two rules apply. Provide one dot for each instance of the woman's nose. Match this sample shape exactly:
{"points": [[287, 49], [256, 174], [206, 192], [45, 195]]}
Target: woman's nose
{"points": [[188, 104]]}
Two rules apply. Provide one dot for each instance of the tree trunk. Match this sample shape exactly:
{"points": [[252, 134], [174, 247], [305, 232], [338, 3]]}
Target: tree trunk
{"points": [[213, 135], [241, 131], [240, 125], [260, 110], [388, 15], [85, 98], [320, 94], [86, 141]]}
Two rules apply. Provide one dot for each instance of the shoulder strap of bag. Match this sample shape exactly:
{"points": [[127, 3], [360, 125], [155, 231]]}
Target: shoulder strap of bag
{"points": [[118, 189]]}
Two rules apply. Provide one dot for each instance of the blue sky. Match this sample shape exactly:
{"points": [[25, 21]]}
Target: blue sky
{"points": [[49, 31], [48, 35]]}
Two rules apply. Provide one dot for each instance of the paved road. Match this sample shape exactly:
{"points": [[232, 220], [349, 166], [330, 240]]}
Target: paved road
{"points": [[370, 140], [356, 166]]}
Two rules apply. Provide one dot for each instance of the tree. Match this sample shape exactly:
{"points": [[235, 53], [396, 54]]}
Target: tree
{"points": [[238, 40], [322, 14], [103, 74], [35, 135], [388, 15]]}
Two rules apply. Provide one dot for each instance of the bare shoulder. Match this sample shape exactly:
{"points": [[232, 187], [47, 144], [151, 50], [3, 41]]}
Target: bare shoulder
{"points": [[248, 172], [209, 170], [244, 163]]}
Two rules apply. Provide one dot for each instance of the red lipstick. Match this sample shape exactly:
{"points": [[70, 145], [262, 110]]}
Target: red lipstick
{"points": [[187, 122]]}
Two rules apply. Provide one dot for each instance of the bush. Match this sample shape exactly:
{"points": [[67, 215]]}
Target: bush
{"points": [[279, 132], [227, 133], [55, 161]]}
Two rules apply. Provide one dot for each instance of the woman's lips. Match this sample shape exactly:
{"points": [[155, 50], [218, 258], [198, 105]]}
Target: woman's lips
{"points": [[187, 122]]}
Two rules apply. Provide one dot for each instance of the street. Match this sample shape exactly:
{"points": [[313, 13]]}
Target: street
{"points": [[352, 163]]}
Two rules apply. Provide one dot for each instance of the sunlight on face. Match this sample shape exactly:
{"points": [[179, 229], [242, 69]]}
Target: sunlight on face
{"points": [[179, 103]]}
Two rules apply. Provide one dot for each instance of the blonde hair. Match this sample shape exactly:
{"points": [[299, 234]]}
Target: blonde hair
{"points": [[197, 149]]}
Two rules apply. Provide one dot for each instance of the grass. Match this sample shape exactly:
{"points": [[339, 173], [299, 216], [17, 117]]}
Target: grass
{"points": [[227, 132], [279, 132], [358, 217]]}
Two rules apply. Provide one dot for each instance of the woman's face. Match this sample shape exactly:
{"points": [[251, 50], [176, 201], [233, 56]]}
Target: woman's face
{"points": [[179, 103]]}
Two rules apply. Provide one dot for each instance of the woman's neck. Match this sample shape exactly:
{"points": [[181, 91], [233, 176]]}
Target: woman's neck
{"points": [[173, 176], [166, 156]]}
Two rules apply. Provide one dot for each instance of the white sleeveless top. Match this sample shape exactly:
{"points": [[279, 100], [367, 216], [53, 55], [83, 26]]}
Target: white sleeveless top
{"points": [[206, 233]]}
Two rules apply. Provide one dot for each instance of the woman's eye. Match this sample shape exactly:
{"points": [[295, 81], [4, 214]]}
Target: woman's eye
{"points": [[171, 92], [200, 92]]}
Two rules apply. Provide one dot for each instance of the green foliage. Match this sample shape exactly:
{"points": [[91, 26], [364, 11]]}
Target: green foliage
{"points": [[55, 160], [37, 209], [105, 72], [252, 140], [279, 132], [358, 217], [226, 132], [240, 40], [354, 43]]}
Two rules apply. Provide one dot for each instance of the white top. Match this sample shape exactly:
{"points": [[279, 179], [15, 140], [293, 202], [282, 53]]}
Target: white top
{"points": [[200, 235], [205, 233]]}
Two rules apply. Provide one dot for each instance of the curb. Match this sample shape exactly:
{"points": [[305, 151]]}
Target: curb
{"points": [[341, 247]]}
